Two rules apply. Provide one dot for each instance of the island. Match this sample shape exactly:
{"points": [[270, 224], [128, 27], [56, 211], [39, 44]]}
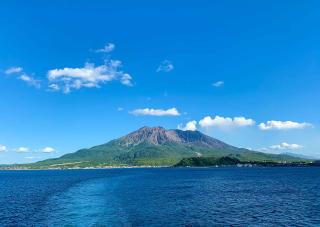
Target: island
{"points": [[159, 147]]}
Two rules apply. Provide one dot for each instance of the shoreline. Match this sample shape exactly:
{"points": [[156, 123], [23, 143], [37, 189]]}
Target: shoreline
{"points": [[91, 168], [163, 167]]}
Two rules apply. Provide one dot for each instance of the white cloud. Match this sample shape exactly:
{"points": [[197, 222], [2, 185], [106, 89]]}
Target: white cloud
{"points": [[126, 79], [156, 112], [48, 150], [120, 109], [225, 122], [3, 148], [23, 76], [279, 148], [165, 66], [218, 84], [107, 48], [22, 149], [242, 121], [89, 76], [30, 80], [12, 70], [191, 125], [54, 87], [283, 125], [286, 146]]}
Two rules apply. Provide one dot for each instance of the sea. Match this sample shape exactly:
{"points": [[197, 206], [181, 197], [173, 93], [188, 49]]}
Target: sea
{"points": [[161, 197]]}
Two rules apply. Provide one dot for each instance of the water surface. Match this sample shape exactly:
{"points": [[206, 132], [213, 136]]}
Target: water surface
{"points": [[161, 197]]}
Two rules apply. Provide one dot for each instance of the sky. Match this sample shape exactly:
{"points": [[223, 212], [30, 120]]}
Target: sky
{"points": [[74, 74]]}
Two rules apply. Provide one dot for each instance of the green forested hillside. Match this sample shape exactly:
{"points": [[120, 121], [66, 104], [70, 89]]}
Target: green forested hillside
{"points": [[156, 147]]}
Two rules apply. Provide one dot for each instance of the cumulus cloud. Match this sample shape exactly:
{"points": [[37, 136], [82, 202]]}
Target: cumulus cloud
{"points": [[89, 76], [286, 146], [48, 149], [107, 48], [73, 78], [30, 80], [218, 84], [156, 112], [225, 122], [279, 148], [3, 148], [283, 125], [22, 149], [165, 66], [191, 125], [242, 121], [12, 70], [126, 79]]}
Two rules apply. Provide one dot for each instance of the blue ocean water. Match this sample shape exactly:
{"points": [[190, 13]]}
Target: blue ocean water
{"points": [[161, 197]]}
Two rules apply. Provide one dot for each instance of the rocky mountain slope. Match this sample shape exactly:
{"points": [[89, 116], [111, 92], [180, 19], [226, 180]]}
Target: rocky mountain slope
{"points": [[155, 146]]}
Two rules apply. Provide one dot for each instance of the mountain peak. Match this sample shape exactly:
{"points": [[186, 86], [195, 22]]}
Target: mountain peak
{"points": [[159, 135], [147, 128], [154, 135]]}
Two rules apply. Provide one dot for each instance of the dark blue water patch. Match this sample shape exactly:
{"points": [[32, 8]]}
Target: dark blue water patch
{"points": [[161, 197], [24, 194]]}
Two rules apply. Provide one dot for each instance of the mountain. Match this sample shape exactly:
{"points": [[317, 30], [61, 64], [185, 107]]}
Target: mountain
{"points": [[155, 146]]}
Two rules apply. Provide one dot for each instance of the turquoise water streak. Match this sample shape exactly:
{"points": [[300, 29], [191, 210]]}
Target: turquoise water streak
{"points": [[161, 197]]}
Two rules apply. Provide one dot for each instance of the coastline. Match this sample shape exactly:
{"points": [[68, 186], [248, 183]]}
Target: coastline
{"points": [[164, 167], [90, 168], [193, 162]]}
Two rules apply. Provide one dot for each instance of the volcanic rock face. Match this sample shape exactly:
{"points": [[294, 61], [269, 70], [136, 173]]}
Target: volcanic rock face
{"points": [[159, 135], [154, 135]]}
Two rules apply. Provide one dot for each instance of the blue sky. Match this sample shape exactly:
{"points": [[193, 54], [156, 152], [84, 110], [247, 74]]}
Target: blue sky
{"points": [[75, 74]]}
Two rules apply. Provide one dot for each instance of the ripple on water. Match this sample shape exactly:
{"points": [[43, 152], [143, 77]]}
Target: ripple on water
{"points": [[89, 203], [161, 197]]}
